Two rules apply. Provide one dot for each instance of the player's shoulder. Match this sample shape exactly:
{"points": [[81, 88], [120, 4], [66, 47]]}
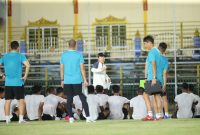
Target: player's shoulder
{"points": [[111, 98], [65, 52], [164, 58], [133, 99], [27, 97]]}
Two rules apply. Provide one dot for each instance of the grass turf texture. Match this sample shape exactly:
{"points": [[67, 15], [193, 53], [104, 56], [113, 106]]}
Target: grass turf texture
{"points": [[106, 127]]}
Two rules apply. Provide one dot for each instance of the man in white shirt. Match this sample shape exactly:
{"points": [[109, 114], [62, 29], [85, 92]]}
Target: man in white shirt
{"points": [[103, 101], [33, 102], [49, 105], [184, 103], [116, 103], [137, 105], [93, 103], [61, 110], [99, 73], [196, 108], [13, 105], [2, 103], [78, 110]]}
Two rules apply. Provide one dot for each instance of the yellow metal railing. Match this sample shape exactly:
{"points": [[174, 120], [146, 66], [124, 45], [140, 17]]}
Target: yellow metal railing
{"points": [[46, 77], [121, 80], [162, 31]]}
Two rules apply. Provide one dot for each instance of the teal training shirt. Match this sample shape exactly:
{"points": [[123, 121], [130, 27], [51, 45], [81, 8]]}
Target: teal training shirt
{"points": [[161, 68], [13, 63], [153, 55], [72, 60]]}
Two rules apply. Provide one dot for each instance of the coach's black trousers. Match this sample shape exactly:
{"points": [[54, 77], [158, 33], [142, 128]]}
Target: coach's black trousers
{"points": [[72, 90]]}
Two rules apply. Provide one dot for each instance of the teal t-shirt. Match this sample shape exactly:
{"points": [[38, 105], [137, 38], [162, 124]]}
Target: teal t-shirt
{"points": [[153, 55], [13, 63], [162, 67], [72, 60]]}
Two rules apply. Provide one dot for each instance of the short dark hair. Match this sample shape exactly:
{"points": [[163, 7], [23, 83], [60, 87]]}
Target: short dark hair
{"points": [[185, 86], [115, 88], [90, 89], [14, 45], [16, 109], [72, 43], [36, 88], [162, 46], [99, 89], [148, 38], [50, 90], [59, 90], [1, 90], [140, 90], [191, 87], [101, 55]]}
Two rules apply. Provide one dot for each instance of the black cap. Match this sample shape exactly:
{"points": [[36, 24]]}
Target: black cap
{"points": [[101, 55]]}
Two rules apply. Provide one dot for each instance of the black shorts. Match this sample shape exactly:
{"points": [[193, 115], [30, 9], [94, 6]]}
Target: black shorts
{"points": [[73, 89], [14, 92], [48, 117], [153, 90], [163, 94]]}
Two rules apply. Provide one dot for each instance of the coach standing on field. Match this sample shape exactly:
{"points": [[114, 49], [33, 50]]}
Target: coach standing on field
{"points": [[14, 82], [72, 74]]}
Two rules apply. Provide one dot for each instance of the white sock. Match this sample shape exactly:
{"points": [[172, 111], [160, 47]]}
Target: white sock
{"points": [[150, 113], [21, 117], [167, 114], [7, 119], [157, 115]]}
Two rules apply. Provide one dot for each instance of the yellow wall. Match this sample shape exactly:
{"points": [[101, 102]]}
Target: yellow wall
{"points": [[164, 12], [62, 10], [24, 11]]}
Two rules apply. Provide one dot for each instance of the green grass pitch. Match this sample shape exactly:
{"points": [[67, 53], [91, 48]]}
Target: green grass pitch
{"points": [[106, 127]]}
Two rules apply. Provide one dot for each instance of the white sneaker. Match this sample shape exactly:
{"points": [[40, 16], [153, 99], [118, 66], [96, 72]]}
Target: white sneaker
{"points": [[57, 118], [89, 120], [8, 121], [71, 120], [22, 121], [93, 120]]}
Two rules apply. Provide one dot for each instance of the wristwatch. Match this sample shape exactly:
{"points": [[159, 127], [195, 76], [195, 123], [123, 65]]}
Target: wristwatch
{"points": [[2, 74]]}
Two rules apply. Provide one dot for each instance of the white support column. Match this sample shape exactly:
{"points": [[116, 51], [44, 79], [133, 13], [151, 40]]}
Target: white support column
{"points": [[6, 49], [175, 46], [89, 45]]}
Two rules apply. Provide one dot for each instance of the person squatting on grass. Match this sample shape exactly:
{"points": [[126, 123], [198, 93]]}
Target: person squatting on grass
{"points": [[33, 102], [49, 105], [138, 108], [116, 104], [184, 103]]}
